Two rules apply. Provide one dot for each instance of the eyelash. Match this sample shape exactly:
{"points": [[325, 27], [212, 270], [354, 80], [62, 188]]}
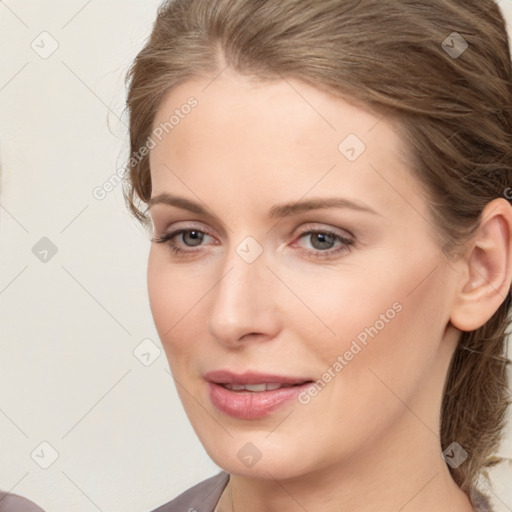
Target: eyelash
{"points": [[345, 247]]}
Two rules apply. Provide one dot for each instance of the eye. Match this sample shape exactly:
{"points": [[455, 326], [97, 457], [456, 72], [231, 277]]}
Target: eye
{"points": [[194, 236], [322, 242]]}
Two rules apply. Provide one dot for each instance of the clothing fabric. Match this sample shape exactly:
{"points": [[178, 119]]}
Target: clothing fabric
{"points": [[204, 496], [14, 503], [480, 502]]}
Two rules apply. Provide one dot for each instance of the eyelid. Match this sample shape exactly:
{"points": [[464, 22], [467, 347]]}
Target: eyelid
{"points": [[188, 225], [164, 224], [304, 229], [319, 227]]}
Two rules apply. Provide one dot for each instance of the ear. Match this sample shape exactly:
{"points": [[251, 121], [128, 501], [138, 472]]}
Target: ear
{"points": [[486, 270]]}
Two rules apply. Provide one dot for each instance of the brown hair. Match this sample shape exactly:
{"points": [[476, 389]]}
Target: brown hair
{"points": [[401, 58]]}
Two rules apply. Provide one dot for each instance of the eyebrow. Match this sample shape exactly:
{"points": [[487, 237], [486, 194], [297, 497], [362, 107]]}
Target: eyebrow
{"points": [[278, 211]]}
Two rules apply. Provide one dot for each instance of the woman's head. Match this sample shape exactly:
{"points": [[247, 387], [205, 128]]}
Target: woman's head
{"points": [[404, 107]]}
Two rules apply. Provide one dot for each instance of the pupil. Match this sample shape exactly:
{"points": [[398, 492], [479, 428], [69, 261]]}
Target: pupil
{"points": [[324, 239], [195, 236]]}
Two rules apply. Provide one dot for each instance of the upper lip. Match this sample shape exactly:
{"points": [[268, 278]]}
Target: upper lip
{"points": [[250, 377]]}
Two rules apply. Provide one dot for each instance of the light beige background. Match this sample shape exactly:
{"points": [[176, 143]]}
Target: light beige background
{"points": [[69, 377]]}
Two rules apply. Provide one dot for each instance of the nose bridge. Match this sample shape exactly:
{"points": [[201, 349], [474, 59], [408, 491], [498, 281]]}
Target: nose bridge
{"points": [[243, 300]]}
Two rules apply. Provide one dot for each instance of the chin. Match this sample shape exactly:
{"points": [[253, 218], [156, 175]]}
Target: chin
{"points": [[251, 455]]}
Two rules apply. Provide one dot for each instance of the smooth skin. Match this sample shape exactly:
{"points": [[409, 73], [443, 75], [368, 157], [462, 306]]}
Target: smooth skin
{"points": [[369, 441]]}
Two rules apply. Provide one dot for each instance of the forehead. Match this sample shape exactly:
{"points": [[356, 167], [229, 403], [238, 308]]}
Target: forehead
{"points": [[288, 103], [280, 136]]}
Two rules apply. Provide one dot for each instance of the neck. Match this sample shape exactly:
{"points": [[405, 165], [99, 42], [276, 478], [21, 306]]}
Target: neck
{"points": [[401, 473]]}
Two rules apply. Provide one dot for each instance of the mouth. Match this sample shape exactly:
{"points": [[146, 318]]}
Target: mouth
{"points": [[253, 395], [258, 388], [248, 378]]}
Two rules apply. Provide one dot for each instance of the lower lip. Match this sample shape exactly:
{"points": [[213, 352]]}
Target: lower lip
{"points": [[251, 405]]}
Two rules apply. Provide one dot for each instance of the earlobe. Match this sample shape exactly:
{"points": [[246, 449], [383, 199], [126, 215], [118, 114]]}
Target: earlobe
{"points": [[486, 271]]}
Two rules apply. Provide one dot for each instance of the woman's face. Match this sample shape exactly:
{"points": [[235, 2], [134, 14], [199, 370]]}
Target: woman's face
{"points": [[354, 296]]}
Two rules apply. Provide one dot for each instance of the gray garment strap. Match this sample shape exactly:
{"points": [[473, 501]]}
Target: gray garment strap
{"points": [[203, 497]]}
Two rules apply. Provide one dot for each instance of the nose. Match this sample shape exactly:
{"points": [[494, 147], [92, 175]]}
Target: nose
{"points": [[244, 302]]}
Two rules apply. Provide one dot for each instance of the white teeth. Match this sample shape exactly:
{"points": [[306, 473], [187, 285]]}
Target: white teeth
{"points": [[256, 388]]}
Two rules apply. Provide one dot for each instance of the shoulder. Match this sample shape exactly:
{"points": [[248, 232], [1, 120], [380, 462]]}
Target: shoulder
{"points": [[14, 503], [202, 497]]}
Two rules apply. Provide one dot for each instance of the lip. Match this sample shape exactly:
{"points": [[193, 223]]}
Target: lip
{"points": [[248, 404], [249, 377]]}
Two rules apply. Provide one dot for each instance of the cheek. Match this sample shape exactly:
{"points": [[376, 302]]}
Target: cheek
{"points": [[374, 359], [171, 298], [399, 347], [179, 300], [331, 307], [376, 321]]}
